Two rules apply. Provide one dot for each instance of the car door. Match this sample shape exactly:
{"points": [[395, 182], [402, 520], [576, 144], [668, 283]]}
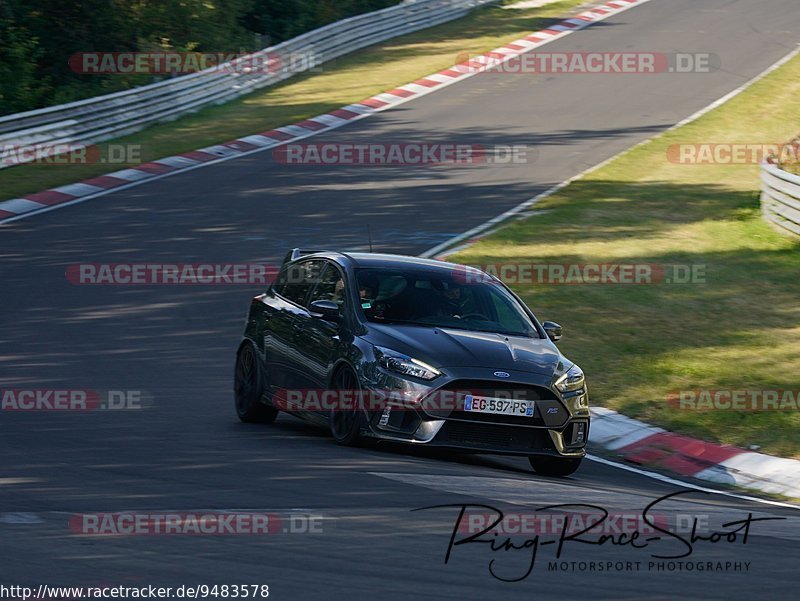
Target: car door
{"points": [[284, 363], [318, 341]]}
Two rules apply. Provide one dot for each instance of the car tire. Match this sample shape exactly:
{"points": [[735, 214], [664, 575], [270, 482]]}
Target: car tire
{"points": [[248, 388], [346, 425], [555, 466]]}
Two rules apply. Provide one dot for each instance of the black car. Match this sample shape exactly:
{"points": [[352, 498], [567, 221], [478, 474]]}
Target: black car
{"points": [[415, 351]]}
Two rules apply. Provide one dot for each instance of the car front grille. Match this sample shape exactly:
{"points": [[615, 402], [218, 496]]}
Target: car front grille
{"points": [[491, 436]]}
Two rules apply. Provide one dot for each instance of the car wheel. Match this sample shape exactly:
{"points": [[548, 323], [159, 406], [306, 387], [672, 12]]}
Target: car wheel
{"points": [[555, 466], [248, 388], [346, 425]]}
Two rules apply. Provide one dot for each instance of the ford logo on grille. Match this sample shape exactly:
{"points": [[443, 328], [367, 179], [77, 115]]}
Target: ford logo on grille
{"points": [[502, 374]]}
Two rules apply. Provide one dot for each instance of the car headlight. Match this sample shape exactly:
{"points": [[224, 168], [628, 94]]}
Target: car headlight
{"points": [[571, 380], [405, 365]]}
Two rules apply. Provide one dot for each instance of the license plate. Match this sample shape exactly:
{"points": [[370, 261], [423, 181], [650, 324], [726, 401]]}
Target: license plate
{"points": [[482, 404]]}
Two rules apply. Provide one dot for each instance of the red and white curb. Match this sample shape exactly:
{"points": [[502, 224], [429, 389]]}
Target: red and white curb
{"points": [[19, 208], [643, 444]]}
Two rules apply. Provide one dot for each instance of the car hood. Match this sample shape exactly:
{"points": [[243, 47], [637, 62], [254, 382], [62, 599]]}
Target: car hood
{"points": [[446, 347]]}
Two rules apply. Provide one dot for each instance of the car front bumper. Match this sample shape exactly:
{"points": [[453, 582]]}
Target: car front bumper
{"points": [[559, 427]]}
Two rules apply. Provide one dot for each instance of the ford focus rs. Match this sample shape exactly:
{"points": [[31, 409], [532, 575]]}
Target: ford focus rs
{"points": [[414, 351]]}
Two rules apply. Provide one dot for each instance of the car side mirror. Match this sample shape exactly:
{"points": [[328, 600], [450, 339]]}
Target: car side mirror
{"points": [[325, 309], [553, 330]]}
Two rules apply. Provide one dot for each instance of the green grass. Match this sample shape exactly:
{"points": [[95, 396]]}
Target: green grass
{"points": [[344, 81], [739, 330]]}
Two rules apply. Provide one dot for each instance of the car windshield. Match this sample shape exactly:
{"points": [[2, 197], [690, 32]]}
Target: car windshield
{"points": [[441, 299]]}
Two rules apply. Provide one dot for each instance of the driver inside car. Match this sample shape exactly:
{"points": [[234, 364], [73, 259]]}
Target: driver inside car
{"points": [[452, 301]]}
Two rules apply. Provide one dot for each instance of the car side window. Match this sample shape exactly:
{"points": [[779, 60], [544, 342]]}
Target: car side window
{"points": [[296, 280], [280, 281], [329, 287]]}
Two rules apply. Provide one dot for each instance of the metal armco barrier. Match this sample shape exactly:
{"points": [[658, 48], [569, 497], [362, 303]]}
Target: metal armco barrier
{"points": [[780, 198]]}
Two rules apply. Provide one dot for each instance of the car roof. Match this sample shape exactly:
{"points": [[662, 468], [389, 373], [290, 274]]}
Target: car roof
{"points": [[389, 260], [383, 260]]}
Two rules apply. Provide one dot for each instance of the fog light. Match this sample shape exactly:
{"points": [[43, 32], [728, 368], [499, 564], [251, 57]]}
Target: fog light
{"points": [[385, 416], [579, 433]]}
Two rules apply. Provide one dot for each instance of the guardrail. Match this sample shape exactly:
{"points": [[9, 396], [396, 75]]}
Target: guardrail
{"points": [[101, 118], [780, 198]]}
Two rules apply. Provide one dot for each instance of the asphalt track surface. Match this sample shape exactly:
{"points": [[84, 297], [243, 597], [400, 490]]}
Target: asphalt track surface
{"points": [[188, 452]]}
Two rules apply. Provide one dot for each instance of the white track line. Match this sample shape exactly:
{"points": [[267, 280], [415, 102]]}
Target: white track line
{"points": [[668, 480]]}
